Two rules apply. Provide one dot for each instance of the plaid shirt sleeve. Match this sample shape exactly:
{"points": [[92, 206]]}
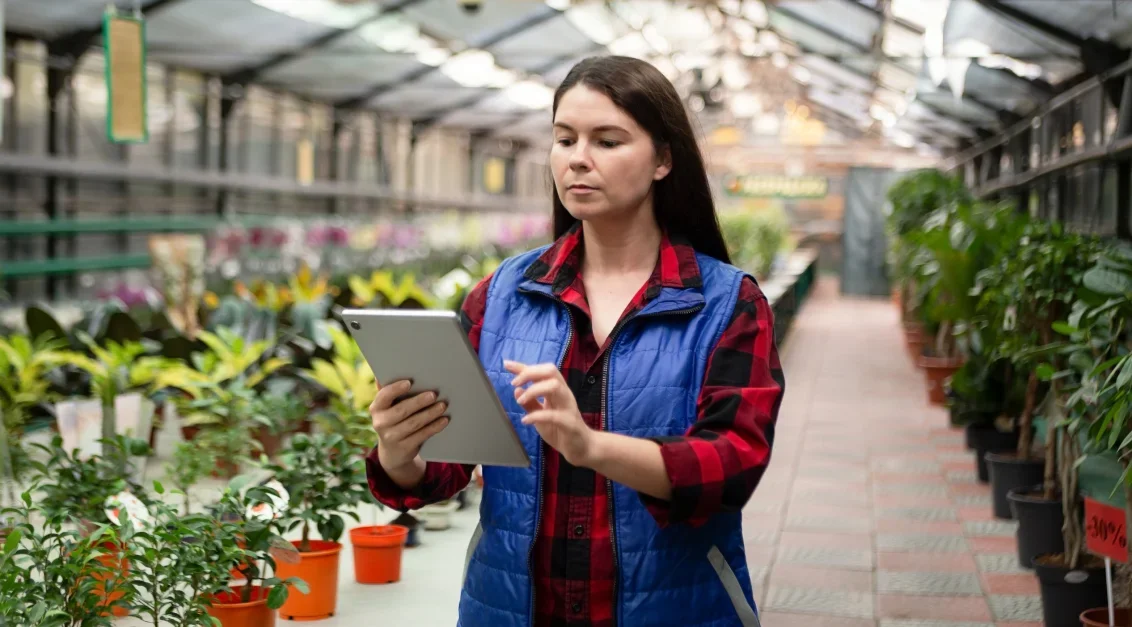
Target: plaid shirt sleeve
{"points": [[441, 481], [717, 464]]}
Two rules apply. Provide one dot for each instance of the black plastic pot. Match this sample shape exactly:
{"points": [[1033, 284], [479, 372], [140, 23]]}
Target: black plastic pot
{"points": [[1007, 472], [1067, 593], [1039, 524], [985, 439]]}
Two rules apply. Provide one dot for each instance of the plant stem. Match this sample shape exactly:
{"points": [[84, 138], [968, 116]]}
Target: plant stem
{"points": [[1026, 420], [305, 545], [1071, 531], [1052, 419]]}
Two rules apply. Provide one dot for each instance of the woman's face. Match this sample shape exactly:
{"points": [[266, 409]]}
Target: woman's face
{"points": [[604, 163]]}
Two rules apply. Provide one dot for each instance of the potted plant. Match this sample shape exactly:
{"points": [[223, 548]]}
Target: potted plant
{"points": [[190, 464], [350, 383], [24, 388], [1096, 377], [984, 399], [324, 477], [243, 535], [1029, 290], [51, 575], [220, 394], [116, 369]]}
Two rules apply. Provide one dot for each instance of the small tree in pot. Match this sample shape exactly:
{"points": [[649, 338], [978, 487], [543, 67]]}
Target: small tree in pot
{"points": [[325, 479], [1031, 288]]}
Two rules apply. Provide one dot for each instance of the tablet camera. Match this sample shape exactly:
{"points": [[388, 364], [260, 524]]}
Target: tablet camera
{"points": [[355, 325]]}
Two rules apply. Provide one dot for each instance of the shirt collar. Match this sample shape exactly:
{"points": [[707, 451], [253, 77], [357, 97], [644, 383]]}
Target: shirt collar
{"points": [[559, 264]]}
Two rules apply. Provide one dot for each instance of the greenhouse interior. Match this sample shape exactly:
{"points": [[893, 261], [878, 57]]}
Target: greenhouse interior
{"points": [[868, 363]]}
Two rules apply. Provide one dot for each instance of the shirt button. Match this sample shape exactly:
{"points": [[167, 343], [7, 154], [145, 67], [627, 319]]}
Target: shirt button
{"points": [[591, 379], [577, 607], [579, 530]]}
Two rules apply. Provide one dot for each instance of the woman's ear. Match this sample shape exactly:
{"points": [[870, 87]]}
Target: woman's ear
{"points": [[663, 163]]}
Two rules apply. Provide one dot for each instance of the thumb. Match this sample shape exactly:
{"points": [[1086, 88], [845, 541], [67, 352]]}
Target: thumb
{"points": [[531, 405]]}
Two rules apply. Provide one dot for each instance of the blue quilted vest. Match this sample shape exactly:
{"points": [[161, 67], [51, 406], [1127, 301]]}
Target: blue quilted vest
{"points": [[680, 575]]}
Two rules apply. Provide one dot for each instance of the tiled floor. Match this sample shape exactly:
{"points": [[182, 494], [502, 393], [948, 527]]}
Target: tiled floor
{"points": [[869, 516]]}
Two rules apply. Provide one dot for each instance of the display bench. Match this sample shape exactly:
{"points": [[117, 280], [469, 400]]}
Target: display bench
{"points": [[788, 289]]}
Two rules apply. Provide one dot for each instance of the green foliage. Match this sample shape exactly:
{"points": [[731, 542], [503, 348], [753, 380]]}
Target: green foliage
{"points": [[77, 488], [325, 479], [917, 196], [189, 465], [755, 238], [24, 365], [54, 576]]}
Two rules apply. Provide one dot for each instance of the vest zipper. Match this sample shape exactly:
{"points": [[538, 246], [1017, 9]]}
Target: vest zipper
{"points": [[541, 464], [605, 427]]}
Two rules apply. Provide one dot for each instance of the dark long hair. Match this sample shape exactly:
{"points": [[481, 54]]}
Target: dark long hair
{"points": [[682, 200]]}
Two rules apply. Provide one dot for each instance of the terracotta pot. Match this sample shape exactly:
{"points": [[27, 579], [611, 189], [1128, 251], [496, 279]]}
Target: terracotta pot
{"points": [[1098, 617], [225, 469], [271, 443], [189, 433], [377, 553], [319, 569], [936, 372], [914, 338], [233, 612], [113, 560]]}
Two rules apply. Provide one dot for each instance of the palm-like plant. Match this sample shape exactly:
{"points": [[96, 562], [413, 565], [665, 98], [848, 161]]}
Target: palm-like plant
{"points": [[219, 388], [350, 382], [24, 364]]}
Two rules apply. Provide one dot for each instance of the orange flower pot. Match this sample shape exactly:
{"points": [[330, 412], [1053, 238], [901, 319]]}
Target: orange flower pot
{"points": [[113, 560], [377, 553], [936, 372], [233, 612], [319, 569]]}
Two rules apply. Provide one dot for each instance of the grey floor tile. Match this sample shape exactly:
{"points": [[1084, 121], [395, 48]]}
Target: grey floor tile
{"points": [[1016, 607], [817, 601], [926, 543], [1005, 563], [849, 559], [973, 500], [929, 584], [995, 528], [917, 622], [911, 489], [827, 523]]}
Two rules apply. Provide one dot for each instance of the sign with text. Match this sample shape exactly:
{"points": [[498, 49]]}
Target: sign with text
{"points": [[1106, 530], [776, 186]]}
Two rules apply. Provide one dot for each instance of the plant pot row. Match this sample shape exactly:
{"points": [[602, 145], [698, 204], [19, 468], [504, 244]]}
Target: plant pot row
{"points": [[1070, 596], [377, 560], [937, 370]]}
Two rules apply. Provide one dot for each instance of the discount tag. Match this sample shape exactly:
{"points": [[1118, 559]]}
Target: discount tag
{"points": [[1106, 530]]}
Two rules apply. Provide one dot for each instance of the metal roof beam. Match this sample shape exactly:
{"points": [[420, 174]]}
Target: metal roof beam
{"points": [[544, 14], [1017, 15], [252, 73], [75, 43]]}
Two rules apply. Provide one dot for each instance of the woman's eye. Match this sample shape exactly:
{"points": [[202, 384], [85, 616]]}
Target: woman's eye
{"points": [[609, 143], [564, 141]]}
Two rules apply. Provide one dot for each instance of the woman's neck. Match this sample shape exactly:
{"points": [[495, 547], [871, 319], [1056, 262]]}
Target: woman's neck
{"points": [[621, 246]]}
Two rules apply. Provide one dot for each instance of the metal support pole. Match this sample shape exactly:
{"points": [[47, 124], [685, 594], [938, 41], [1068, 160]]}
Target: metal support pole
{"points": [[228, 102]]}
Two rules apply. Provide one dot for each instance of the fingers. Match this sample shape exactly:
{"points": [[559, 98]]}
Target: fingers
{"points": [[545, 417], [417, 421], [416, 440], [545, 388], [528, 405], [526, 374], [386, 395]]}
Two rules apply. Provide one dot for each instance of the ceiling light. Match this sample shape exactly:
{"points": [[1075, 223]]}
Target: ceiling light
{"points": [[755, 11], [800, 74], [530, 94], [560, 5], [323, 12], [745, 105], [631, 45], [769, 40], [734, 73], [752, 49], [476, 68], [654, 39], [594, 21], [779, 60]]}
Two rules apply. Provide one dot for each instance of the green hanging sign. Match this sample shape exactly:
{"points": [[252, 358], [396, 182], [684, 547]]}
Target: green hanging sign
{"points": [[776, 186], [123, 40]]}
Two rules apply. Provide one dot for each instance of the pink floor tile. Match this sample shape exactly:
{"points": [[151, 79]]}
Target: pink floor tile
{"points": [[982, 512], [826, 540], [993, 545], [897, 525], [904, 500], [778, 619], [927, 562], [1003, 583], [795, 576]]}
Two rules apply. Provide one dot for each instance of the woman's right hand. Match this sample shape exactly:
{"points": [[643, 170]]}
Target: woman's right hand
{"points": [[403, 426]]}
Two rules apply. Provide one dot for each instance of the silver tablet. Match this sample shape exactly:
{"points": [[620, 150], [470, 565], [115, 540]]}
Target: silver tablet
{"points": [[431, 349]]}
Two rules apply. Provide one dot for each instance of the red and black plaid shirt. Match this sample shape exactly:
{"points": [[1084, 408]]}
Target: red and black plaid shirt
{"points": [[714, 467]]}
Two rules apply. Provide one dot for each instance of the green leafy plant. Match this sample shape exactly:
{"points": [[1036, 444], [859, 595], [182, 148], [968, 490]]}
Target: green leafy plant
{"points": [[77, 488], [24, 388], [755, 238], [351, 386], [190, 464], [1033, 286], [51, 575], [325, 479]]}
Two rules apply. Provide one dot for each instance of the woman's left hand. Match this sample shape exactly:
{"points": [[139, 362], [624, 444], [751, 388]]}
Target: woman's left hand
{"points": [[557, 418]]}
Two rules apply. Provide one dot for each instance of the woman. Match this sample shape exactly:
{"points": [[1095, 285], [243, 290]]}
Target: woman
{"points": [[658, 376]]}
